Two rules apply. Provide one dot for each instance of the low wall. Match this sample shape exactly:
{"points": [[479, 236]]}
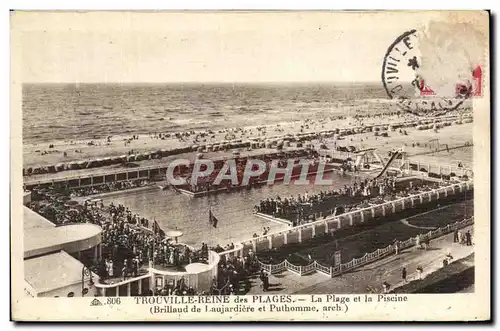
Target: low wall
{"points": [[130, 287], [200, 281], [332, 223], [155, 278], [367, 258], [436, 170]]}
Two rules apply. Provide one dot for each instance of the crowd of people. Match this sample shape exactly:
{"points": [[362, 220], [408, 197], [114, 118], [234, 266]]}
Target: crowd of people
{"points": [[179, 288], [232, 271], [463, 238], [109, 187], [124, 241], [302, 208], [126, 244]]}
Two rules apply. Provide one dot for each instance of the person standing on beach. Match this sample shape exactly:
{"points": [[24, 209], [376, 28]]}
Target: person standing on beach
{"points": [[403, 274], [455, 236], [427, 243], [468, 240], [420, 270]]}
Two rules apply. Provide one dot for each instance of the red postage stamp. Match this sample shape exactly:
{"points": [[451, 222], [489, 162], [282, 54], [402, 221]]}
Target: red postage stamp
{"points": [[476, 85]]}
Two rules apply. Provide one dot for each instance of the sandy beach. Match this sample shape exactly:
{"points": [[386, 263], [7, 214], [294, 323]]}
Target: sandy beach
{"points": [[39, 154]]}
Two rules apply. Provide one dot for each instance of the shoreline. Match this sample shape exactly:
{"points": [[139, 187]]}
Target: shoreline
{"points": [[33, 153]]}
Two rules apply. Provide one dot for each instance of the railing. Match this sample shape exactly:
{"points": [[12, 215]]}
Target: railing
{"points": [[441, 190], [123, 282], [439, 166], [324, 269], [368, 257], [213, 262], [235, 252]]}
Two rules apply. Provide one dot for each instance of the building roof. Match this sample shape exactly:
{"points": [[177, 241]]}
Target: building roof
{"points": [[33, 220], [53, 271], [71, 238]]}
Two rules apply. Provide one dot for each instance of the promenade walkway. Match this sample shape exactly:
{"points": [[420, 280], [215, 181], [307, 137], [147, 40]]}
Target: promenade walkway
{"points": [[369, 278]]}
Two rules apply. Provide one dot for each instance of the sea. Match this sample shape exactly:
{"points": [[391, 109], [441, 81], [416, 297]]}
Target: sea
{"points": [[88, 111]]}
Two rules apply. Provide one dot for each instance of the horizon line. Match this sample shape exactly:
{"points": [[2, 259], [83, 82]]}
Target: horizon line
{"points": [[206, 82]]}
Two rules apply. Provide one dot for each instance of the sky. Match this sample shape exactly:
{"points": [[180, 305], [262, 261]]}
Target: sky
{"points": [[205, 47]]}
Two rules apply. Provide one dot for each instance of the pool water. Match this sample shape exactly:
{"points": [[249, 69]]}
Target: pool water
{"points": [[234, 210]]}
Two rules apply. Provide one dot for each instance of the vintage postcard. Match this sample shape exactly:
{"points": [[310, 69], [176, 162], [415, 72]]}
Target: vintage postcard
{"points": [[250, 166]]}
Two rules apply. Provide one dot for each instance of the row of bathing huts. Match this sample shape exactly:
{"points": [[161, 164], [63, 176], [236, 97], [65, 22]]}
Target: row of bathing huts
{"points": [[279, 142], [157, 173]]}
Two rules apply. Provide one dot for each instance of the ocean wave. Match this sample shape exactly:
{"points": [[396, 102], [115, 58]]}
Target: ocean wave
{"points": [[53, 112]]}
